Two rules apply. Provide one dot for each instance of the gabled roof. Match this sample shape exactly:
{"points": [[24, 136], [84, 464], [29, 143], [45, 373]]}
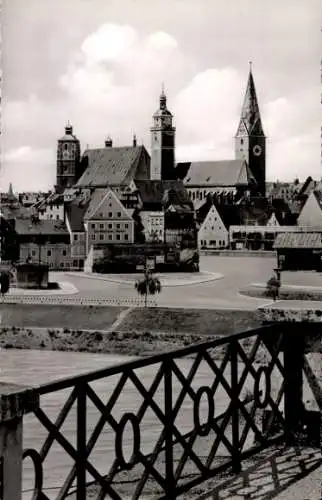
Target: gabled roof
{"points": [[216, 173], [111, 166], [45, 227], [298, 240], [98, 209]]}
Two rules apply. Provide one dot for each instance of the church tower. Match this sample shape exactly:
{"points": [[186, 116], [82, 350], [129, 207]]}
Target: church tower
{"points": [[163, 143], [68, 159], [250, 140]]}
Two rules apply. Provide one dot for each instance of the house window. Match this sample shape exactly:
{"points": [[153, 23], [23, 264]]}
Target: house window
{"points": [[48, 253], [64, 252], [101, 236], [110, 214], [126, 226], [241, 141], [110, 226], [118, 226], [119, 214], [93, 236], [126, 237], [33, 253], [109, 236], [118, 237], [101, 226], [57, 217], [93, 226], [75, 237], [61, 264]]}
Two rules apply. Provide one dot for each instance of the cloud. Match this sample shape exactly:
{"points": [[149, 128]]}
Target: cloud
{"points": [[30, 169], [109, 43], [111, 85]]}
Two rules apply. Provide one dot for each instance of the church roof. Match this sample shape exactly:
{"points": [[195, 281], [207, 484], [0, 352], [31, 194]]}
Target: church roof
{"points": [[111, 166], [250, 121], [216, 173]]}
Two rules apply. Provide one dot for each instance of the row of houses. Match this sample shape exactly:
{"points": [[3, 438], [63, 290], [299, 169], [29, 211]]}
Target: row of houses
{"points": [[61, 233], [254, 224]]}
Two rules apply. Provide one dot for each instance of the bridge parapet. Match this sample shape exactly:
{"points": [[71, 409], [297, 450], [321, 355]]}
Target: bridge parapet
{"points": [[171, 421]]}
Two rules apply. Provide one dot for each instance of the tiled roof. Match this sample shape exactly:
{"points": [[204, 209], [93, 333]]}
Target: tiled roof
{"points": [[96, 198], [53, 199], [216, 173], [47, 227], [75, 212], [298, 240], [163, 193], [110, 166], [229, 214]]}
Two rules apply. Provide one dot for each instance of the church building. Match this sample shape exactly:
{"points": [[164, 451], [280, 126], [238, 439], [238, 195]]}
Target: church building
{"points": [[247, 172]]}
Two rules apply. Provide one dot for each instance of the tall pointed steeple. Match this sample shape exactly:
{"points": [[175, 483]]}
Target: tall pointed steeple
{"points": [[250, 120], [250, 140]]}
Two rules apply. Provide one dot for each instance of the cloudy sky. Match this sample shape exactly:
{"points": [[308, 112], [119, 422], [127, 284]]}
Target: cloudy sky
{"points": [[101, 64]]}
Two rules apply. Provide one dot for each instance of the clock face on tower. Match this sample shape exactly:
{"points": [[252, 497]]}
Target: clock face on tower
{"points": [[65, 154], [257, 150]]}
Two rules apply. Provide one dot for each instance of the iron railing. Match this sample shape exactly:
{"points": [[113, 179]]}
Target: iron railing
{"points": [[192, 413]]}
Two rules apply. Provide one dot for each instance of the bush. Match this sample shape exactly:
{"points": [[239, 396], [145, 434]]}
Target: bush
{"points": [[4, 282], [273, 286]]}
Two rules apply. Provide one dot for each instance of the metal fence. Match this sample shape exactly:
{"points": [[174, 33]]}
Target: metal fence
{"points": [[168, 422]]}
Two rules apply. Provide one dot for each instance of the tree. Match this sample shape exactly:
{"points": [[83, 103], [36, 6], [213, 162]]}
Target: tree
{"points": [[149, 285], [273, 286], [4, 283]]}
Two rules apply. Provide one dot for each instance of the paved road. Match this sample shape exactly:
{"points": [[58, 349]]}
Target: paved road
{"points": [[223, 293]]}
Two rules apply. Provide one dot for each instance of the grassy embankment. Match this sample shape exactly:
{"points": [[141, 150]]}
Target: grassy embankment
{"points": [[142, 332]]}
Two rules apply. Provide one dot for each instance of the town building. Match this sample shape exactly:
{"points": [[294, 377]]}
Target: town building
{"points": [[74, 219], [44, 241], [212, 232], [52, 207], [299, 251], [106, 220], [311, 212]]}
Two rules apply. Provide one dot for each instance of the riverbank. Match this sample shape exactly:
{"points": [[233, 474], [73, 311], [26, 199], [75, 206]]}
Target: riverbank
{"points": [[197, 323]]}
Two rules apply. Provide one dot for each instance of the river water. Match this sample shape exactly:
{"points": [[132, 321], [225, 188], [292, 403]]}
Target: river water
{"points": [[33, 368]]}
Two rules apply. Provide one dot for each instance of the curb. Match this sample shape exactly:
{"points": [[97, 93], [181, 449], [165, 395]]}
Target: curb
{"points": [[212, 277]]}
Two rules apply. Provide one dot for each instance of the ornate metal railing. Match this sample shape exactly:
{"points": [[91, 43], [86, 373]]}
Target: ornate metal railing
{"points": [[192, 413]]}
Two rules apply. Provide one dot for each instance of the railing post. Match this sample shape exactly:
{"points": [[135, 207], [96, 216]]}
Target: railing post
{"points": [[236, 462], [81, 442], [168, 411], [293, 346], [15, 401]]}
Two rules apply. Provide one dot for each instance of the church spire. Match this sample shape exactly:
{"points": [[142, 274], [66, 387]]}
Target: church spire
{"points": [[250, 121]]}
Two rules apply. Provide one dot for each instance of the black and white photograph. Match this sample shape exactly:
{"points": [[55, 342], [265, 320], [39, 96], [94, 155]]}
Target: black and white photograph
{"points": [[160, 250]]}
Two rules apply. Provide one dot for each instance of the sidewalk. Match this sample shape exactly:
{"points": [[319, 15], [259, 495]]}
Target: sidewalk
{"points": [[289, 474]]}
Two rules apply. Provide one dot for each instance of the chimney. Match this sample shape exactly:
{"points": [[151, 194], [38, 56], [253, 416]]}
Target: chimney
{"points": [[134, 141], [108, 142]]}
